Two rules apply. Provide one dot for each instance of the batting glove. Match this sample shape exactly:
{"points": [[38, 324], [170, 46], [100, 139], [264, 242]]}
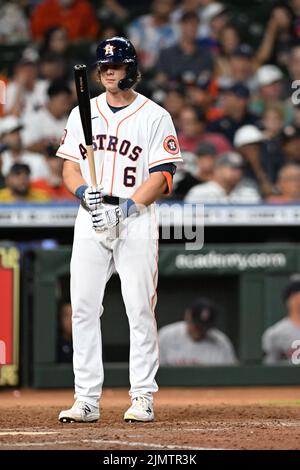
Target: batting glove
{"points": [[90, 196], [105, 219]]}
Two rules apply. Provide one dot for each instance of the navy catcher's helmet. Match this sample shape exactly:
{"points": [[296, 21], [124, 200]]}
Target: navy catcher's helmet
{"points": [[118, 50]]}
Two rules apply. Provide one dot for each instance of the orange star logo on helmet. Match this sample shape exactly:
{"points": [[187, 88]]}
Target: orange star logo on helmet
{"points": [[109, 49]]}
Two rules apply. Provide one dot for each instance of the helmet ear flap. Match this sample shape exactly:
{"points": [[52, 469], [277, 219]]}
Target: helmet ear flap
{"points": [[130, 78]]}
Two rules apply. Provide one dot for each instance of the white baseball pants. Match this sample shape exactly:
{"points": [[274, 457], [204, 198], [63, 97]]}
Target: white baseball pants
{"points": [[134, 255]]}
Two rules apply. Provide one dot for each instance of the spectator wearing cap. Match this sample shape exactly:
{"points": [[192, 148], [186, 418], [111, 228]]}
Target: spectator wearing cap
{"points": [[269, 82], [46, 126], [153, 32], [26, 93], [196, 340], [278, 37], [249, 141], [78, 17], [18, 187], [199, 172], [192, 131], [227, 185], [214, 17], [288, 185], [236, 115], [278, 339], [12, 150], [186, 60]]}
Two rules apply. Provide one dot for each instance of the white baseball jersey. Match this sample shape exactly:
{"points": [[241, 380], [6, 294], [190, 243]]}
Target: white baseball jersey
{"points": [[126, 143]]}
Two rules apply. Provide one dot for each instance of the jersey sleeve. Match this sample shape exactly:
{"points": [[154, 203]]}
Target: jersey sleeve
{"points": [[163, 146], [69, 148]]}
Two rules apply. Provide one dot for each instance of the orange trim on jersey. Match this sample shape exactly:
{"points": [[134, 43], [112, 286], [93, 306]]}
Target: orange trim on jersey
{"points": [[106, 121], [114, 163], [67, 155], [165, 160], [169, 180]]}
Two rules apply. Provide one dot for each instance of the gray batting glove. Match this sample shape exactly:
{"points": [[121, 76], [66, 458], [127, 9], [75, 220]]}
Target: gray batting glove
{"points": [[104, 219], [90, 196]]}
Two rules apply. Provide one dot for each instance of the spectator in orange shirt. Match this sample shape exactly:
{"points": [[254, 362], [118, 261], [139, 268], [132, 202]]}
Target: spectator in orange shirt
{"points": [[76, 16], [18, 187], [53, 185]]}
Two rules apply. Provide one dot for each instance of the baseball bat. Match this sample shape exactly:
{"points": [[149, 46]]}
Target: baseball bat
{"points": [[83, 96]]}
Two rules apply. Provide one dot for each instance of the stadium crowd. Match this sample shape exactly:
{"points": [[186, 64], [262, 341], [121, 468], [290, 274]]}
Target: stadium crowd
{"points": [[231, 87]]}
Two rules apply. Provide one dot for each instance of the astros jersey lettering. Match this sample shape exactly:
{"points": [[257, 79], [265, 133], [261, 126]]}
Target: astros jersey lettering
{"points": [[126, 144]]}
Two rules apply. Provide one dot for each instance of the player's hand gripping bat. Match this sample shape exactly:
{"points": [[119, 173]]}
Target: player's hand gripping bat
{"points": [[83, 96]]}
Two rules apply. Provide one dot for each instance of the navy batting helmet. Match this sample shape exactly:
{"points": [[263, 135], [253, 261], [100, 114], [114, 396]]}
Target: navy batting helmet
{"points": [[118, 50]]}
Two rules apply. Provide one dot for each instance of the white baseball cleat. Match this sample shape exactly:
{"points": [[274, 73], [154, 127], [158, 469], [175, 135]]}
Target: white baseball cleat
{"points": [[81, 412], [140, 410]]}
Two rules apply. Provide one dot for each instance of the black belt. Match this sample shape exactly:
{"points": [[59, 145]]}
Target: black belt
{"points": [[114, 200]]}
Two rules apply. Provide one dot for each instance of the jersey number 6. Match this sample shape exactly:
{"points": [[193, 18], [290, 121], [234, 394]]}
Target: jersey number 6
{"points": [[129, 176]]}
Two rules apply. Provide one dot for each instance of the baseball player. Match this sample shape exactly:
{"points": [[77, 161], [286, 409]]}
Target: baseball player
{"points": [[136, 151]]}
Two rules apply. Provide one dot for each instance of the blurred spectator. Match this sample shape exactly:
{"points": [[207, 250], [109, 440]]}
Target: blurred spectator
{"points": [[201, 172], [295, 6], [195, 341], [203, 94], [18, 187], [269, 80], [277, 340], [186, 60], [240, 66], [278, 37], [192, 131], [229, 42], [226, 185], [186, 6], [174, 101], [293, 70], [12, 150], [26, 94], [152, 32], [248, 141], [290, 143], [53, 67], [53, 185], [236, 115], [296, 117], [77, 17], [288, 185], [46, 126], [64, 337], [214, 17], [55, 41], [13, 23], [2, 178], [111, 11], [273, 120]]}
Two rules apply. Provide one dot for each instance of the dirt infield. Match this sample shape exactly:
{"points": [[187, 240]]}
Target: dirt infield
{"points": [[200, 418]]}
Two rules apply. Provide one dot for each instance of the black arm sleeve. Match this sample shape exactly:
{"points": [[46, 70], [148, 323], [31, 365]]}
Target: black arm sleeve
{"points": [[169, 167]]}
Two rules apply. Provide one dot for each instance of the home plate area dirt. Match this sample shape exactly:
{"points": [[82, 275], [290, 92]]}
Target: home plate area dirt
{"points": [[186, 419]]}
